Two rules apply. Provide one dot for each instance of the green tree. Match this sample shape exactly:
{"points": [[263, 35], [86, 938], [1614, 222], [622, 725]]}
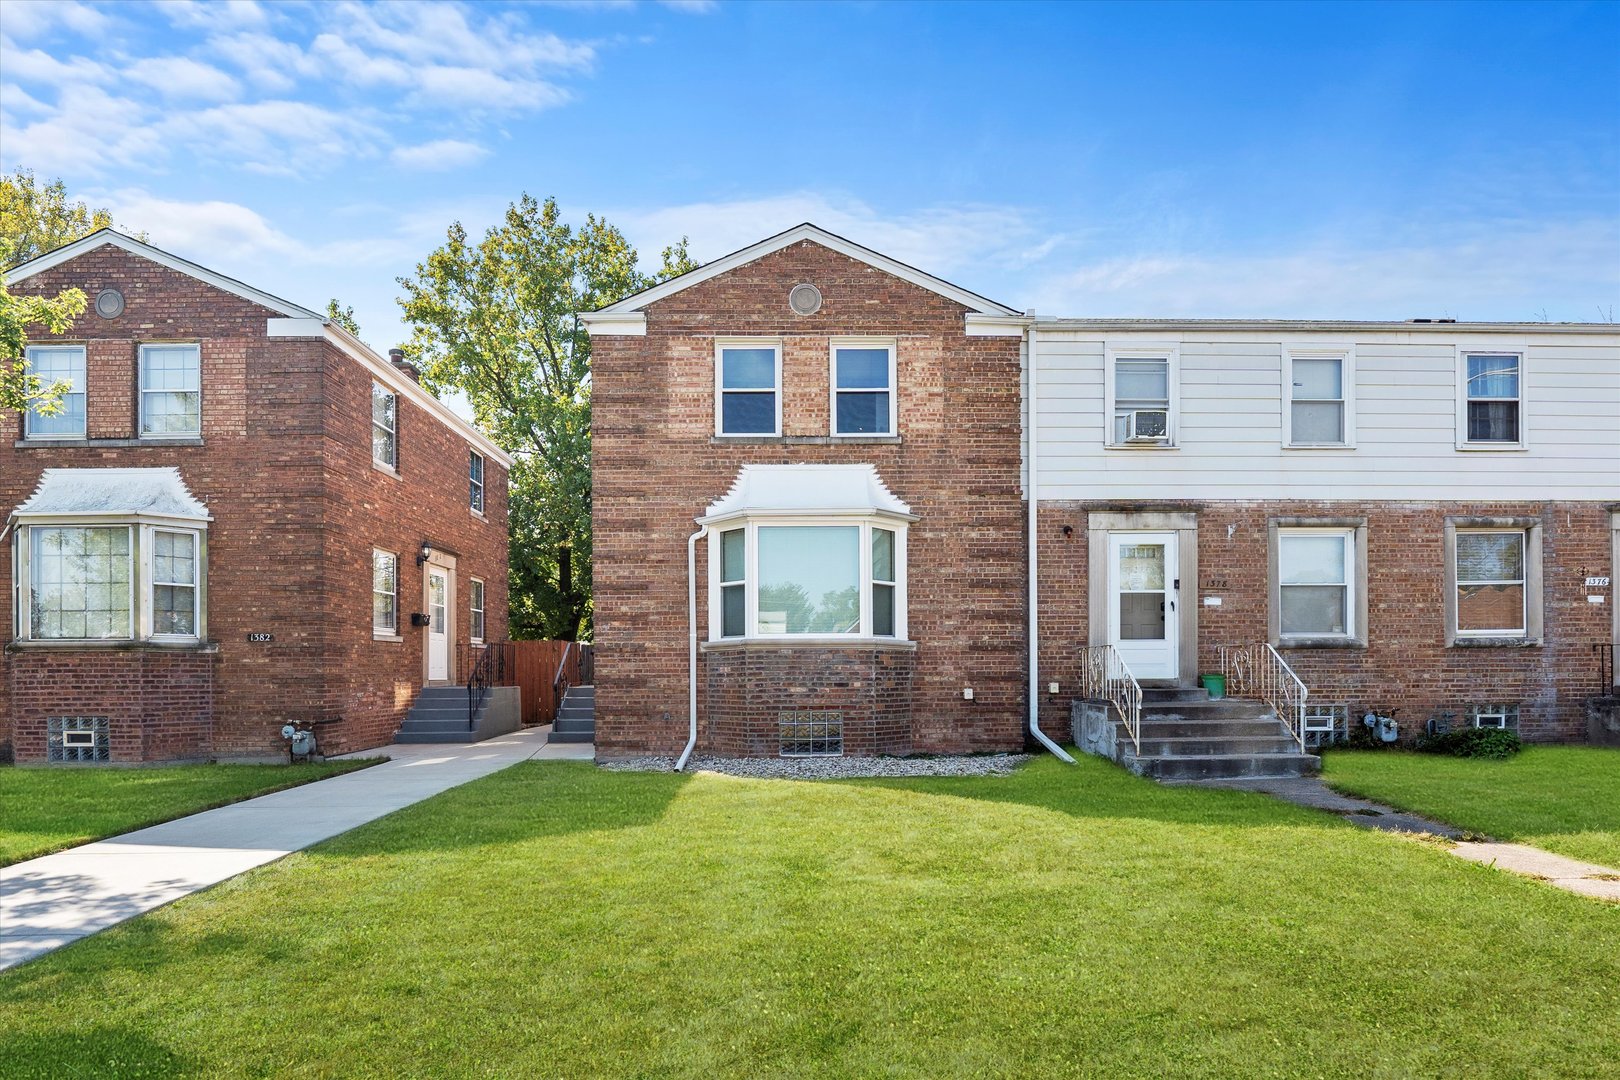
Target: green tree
{"points": [[37, 218], [498, 320], [20, 388], [343, 316]]}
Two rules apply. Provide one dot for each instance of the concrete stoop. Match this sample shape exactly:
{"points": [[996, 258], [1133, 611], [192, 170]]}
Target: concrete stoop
{"points": [[440, 716], [1187, 735], [576, 718]]}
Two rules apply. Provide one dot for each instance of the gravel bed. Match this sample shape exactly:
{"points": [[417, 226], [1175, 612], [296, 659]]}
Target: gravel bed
{"points": [[829, 768]]}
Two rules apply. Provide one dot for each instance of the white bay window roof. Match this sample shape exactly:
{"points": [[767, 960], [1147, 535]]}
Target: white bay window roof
{"points": [[125, 494], [807, 491]]}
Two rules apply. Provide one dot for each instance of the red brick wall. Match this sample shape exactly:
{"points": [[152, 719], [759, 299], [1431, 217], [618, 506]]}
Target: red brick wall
{"points": [[657, 466], [157, 703], [284, 468], [750, 689], [1406, 664]]}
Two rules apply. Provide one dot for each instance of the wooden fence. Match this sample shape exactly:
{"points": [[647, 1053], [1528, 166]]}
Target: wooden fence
{"points": [[535, 670]]}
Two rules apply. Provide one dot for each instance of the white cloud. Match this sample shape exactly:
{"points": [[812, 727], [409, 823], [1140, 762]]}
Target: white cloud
{"points": [[212, 14], [25, 21], [278, 137], [88, 130], [37, 67], [691, 7], [180, 77], [210, 232], [440, 155], [267, 61]]}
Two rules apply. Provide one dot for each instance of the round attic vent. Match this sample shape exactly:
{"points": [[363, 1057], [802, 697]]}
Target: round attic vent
{"points": [[805, 299], [109, 303]]}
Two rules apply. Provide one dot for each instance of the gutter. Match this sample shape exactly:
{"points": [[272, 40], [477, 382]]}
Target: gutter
{"points": [[1032, 459], [692, 645]]}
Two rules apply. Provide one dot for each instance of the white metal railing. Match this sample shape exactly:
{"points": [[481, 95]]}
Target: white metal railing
{"points": [[1104, 676], [1258, 671]]}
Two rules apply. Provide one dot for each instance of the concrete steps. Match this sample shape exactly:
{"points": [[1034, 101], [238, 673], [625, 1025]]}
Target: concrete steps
{"points": [[1187, 735], [576, 718], [439, 715]]}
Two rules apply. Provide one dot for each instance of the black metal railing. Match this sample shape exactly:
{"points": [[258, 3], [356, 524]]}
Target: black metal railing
{"points": [[587, 664], [1607, 676], [488, 665], [560, 684]]}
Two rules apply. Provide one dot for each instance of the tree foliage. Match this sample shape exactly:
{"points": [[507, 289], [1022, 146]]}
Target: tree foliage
{"points": [[20, 388], [342, 316], [498, 320], [35, 218]]}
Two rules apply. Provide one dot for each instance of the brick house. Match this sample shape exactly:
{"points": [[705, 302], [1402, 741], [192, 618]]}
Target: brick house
{"points": [[239, 521], [813, 534]]}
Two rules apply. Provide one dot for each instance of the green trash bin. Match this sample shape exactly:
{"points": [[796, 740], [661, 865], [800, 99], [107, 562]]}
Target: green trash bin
{"points": [[1215, 684]]}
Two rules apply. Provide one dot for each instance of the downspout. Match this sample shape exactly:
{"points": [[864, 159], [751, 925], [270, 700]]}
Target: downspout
{"points": [[1033, 431], [692, 645]]}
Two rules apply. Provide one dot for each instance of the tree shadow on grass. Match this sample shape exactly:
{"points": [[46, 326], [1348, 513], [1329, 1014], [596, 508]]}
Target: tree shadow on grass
{"points": [[95, 1050]]}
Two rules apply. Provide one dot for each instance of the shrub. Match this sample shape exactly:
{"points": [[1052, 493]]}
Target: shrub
{"points": [[1493, 743]]}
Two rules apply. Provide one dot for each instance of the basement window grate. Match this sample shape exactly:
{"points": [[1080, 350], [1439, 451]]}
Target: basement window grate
{"points": [[1496, 716], [77, 738], [811, 734], [1326, 725]]}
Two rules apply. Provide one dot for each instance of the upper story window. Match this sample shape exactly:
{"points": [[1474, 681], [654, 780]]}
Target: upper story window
{"points": [[748, 388], [476, 594], [863, 388], [384, 593], [1318, 404], [1142, 397], [815, 577], [1491, 401], [115, 582], [171, 391], [54, 364], [475, 481], [384, 427]]}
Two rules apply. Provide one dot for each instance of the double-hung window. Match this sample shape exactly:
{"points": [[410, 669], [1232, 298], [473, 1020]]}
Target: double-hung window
{"points": [[863, 390], [384, 427], [1314, 572], [476, 592], [384, 593], [1319, 407], [748, 388], [173, 578], [1491, 402], [834, 577], [1142, 396], [1490, 582], [58, 364], [475, 481], [171, 391]]}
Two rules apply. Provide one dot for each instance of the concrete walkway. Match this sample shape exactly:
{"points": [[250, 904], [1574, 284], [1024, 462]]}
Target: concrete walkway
{"points": [[48, 902], [1587, 879]]}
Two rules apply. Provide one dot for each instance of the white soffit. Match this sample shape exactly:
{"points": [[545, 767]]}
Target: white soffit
{"points": [[807, 489], [122, 493]]}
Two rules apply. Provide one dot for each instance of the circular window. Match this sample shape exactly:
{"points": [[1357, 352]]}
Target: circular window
{"points": [[805, 299], [109, 303]]}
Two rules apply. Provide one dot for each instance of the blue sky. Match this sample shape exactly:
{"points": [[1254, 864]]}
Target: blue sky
{"points": [[1366, 161]]}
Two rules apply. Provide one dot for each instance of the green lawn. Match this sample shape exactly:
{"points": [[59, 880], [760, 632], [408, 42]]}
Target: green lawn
{"points": [[558, 920], [1562, 798], [44, 810]]}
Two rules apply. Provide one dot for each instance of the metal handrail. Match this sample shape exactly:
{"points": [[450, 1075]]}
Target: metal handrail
{"points": [[559, 685], [1608, 676], [1259, 671], [1104, 676], [488, 670]]}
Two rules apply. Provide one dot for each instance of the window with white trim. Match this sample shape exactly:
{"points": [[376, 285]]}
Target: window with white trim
{"points": [[58, 364], [111, 582], [1315, 576], [1489, 576], [384, 593], [476, 594], [1318, 403], [1505, 717], [863, 390], [748, 388], [475, 481], [384, 426], [1142, 395], [832, 576], [171, 391], [1492, 400]]}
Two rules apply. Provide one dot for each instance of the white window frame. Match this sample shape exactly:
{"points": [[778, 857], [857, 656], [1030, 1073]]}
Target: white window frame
{"points": [[142, 611], [82, 390], [475, 611], [1463, 353], [475, 487], [378, 631], [1113, 352], [1352, 629], [720, 346], [752, 524], [141, 393], [833, 389], [393, 433], [1455, 582], [1505, 717], [1346, 355]]}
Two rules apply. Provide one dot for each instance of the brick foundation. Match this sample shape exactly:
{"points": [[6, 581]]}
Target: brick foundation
{"points": [[750, 688]]}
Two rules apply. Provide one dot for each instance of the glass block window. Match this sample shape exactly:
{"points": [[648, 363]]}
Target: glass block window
{"points": [[384, 426], [1496, 716], [174, 583], [79, 583], [58, 364], [1326, 724], [171, 390], [77, 738], [811, 733]]}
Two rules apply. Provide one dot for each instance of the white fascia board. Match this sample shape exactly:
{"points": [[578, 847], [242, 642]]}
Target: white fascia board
{"points": [[102, 237], [402, 384], [1271, 327], [980, 325], [971, 301], [615, 324]]}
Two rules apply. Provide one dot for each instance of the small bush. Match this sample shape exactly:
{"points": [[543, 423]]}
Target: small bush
{"points": [[1493, 743]]}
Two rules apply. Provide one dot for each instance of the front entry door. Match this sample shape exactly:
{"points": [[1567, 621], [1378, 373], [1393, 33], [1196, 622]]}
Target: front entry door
{"points": [[1142, 616], [438, 635]]}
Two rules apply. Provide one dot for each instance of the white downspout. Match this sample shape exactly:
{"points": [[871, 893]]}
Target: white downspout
{"points": [[1033, 432], [692, 644]]}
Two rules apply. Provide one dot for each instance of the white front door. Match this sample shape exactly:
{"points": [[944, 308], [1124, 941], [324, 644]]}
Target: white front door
{"points": [[438, 635], [1142, 617]]}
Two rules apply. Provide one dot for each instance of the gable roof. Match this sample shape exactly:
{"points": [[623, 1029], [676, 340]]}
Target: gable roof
{"points": [[103, 237], [970, 300]]}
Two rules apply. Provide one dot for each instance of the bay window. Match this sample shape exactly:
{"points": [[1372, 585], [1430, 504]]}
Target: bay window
{"points": [[811, 577], [111, 583]]}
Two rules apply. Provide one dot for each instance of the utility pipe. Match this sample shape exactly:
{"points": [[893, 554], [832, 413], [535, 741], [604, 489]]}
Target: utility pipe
{"points": [[692, 644], [1031, 490]]}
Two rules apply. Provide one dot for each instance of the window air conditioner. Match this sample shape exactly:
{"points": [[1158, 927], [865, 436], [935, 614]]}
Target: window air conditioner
{"points": [[1147, 426]]}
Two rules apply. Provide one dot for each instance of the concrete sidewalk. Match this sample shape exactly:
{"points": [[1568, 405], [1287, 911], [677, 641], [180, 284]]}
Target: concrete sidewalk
{"points": [[48, 902]]}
